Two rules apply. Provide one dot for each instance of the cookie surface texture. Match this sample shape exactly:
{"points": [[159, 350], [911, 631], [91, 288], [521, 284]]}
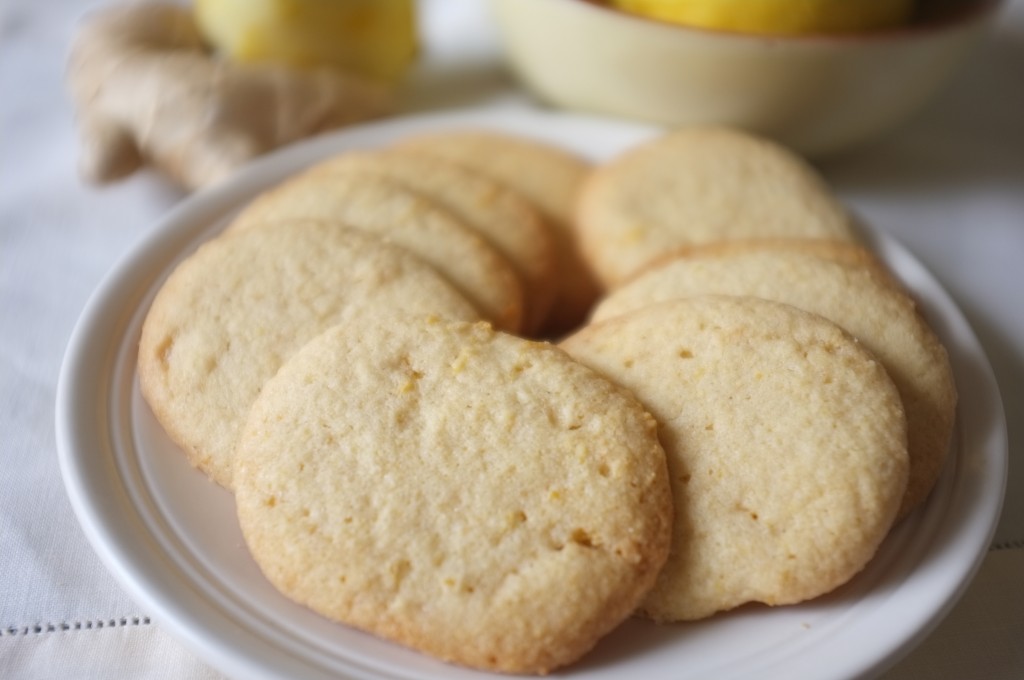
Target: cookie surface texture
{"points": [[383, 207], [698, 185], [858, 297], [785, 442], [506, 221], [233, 311], [844, 252], [464, 492], [549, 178]]}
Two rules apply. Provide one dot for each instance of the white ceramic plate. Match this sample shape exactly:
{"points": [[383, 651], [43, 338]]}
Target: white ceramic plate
{"points": [[172, 538]]}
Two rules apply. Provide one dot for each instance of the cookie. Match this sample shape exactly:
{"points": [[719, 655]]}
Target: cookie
{"points": [[232, 312], [861, 299], [505, 220], [385, 208], [697, 185], [548, 177], [786, 446], [473, 495]]}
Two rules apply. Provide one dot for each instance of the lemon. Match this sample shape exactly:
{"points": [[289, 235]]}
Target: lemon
{"points": [[776, 17], [375, 38]]}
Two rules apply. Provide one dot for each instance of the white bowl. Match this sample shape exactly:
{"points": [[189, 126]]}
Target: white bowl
{"points": [[817, 94]]}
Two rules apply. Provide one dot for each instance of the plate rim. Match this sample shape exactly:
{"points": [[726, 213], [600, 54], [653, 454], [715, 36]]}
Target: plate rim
{"points": [[206, 629]]}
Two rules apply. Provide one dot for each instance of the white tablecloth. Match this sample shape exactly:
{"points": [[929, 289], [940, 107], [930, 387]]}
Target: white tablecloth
{"points": [[950, 186]]}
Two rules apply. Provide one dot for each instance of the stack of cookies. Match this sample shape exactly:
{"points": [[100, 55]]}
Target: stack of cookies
{"points": [[742, 402]]}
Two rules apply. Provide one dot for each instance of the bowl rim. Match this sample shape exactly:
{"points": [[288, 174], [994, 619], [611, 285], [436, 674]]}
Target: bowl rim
{"points": [[966, 13]]}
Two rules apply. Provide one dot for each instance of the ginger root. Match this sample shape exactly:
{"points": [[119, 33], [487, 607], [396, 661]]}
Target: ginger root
{"points": [[146, 90]]}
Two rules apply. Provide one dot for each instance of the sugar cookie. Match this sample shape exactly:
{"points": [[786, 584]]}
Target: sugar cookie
{"points": [[385, 208], [696, 185], [233, 311], [507, 222], [861, 299], [473, 495], [785, 440]]}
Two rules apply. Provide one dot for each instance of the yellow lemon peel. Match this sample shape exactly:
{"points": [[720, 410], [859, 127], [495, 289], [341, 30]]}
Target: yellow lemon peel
{"points": [[776, 17], [374, 38]]}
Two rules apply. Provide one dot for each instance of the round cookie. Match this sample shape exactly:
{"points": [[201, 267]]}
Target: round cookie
{"points": [[785, 442], [505, 220], [545, 175], [473, 495], [383, 207], [863, 300], [231, 313], [697, 185]]}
